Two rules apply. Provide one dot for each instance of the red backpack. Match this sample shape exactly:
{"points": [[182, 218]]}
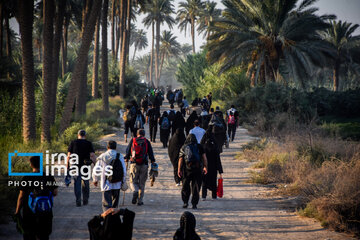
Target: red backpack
{"points": [[231, 119], [139, 150]]}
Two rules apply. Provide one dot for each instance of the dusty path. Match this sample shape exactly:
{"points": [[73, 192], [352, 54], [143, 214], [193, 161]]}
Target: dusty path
{"points": [[242, 214]]}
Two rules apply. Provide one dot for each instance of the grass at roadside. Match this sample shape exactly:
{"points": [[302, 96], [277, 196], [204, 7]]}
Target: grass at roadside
{"points": [[323, 171]]}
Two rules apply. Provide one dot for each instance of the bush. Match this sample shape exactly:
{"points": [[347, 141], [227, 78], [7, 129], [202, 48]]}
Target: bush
{"points": [[323, 172]]}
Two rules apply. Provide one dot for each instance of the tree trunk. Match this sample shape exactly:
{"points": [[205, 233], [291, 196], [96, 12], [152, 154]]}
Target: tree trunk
{"points": [[157, 50], [113, 28], [8, 37], [25, 17], [104, 57], [133, 58], [161, 65], [123, 30], [64, 45], [1, 28], [79, 65], [128, 29], [117, 40], [336, 75], [47, 73], [94, 90], [152, 54], [80, 107], [193, 34], [59, 20]]}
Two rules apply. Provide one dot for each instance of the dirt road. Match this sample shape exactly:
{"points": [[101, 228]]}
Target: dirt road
{"points": [[243, 213]]}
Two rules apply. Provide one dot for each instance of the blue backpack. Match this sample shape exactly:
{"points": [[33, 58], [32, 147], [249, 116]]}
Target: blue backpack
{"points": [[138, 122], [192, 157], [40, 204], [165, 124]]}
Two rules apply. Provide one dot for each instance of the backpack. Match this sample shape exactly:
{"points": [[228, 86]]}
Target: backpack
{"points": [[118, 170], [125, 116], [231, 120], [165, 124], [138, 122], [172, 115], [218, 125], [40, 203], [192, 157], [132, 113], [139, 150]]}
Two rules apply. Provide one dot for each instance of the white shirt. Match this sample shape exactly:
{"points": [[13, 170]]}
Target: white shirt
{"points": [[198, 132], [101, 162], [231, 110]]}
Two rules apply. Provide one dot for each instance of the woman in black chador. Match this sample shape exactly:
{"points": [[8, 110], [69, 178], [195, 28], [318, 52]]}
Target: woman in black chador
{"points": [[179, 122], [165, 126], [175, 144], [214, 164], [187, 228], [190, 122]]}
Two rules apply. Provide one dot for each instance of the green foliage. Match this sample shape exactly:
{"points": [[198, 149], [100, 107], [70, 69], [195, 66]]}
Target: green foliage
{"points": [[189, 73], [348, 130], [224, 86], [10, 112]]}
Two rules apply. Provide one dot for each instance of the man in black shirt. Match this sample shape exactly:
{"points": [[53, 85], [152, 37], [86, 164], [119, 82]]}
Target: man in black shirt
{"points": [[192, 164], [152, 117], [85, 150], [37, 220]]}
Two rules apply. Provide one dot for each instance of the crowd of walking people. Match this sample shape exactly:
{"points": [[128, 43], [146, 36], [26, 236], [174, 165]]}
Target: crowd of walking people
{"points": [[194, 136]]}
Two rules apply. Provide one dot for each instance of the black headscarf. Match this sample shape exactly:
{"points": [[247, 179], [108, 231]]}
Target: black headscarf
{"points": [[191, 139], [190, 121], [187, 227], [208, 141]]}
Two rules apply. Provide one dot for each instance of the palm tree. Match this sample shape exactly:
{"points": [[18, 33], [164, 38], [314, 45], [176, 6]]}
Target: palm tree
{"points": [[47, 74], [80, 64], [207, 16], [139, 40], [170, 47], [347, 46], [59, 20], [95, 80], [104, 57], [264, 34], [188, 13], [158, 12], [25, 17]]}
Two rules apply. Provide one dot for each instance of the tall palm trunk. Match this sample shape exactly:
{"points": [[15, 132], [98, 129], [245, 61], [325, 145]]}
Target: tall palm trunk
{"points": [[157, 51], [80, 107], [8, 37], [113, 28], [118, 34], [128, 29], [47, 73], [64, 45], [152, 54], [1, 28], [193, 34], [94, 90], [80, 65], [104, 57], [161, 64], [25, 17], [59, 20], [123, 31], [336, 74], [135, 48]]}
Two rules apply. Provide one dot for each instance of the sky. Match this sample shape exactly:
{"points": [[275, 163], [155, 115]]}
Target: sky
{"points": [[346, 10]]}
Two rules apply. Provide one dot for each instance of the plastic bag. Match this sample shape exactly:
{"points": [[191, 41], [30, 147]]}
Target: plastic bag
{"points": [[220, 190]]}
